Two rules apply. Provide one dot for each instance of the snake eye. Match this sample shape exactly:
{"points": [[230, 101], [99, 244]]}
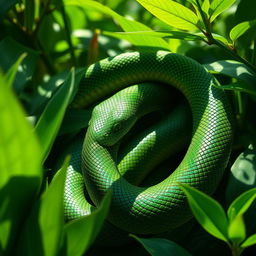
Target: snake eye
{"points": [[117, 127]]}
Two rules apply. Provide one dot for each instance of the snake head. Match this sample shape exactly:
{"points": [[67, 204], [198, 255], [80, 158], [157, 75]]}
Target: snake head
{"points": [[111, 121]]}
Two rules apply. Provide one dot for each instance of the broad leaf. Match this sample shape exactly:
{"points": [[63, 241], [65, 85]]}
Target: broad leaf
{"points": [[44, 228], [49, 122], [81, 233], [126, 24], [251, 240], [240, 205], [217, 7], [236, 229], [208, 212], [172, 13], [240, 29], [160, 246], [20, 165]]}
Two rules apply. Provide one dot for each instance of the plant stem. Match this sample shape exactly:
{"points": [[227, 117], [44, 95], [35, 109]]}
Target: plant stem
{"points": [[236, 250]]}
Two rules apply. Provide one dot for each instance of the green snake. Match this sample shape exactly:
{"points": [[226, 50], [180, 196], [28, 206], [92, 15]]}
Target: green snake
{"points": [[162, 206]]}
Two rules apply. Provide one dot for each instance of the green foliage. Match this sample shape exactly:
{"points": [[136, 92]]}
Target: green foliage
{"points": [[211, 216], [45, 47]]}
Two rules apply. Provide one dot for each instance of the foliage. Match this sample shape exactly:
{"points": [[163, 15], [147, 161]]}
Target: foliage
{"points": [[45, 47]]}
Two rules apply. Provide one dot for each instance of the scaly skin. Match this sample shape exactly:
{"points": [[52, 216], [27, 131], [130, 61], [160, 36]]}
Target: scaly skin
{"points": [[163, 206]]}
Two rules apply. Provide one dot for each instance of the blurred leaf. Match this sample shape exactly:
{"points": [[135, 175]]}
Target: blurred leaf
{"points": [[233, 69], [49, 122], [81, 233], [251, 240], [20, 165], [10, 52], [44, 229], [11, 73], [240, 205], [172, 13], [240, 29], [217, 7], [126, 24], [5, 6], [160, 246], [236, 229], [208, 212]]}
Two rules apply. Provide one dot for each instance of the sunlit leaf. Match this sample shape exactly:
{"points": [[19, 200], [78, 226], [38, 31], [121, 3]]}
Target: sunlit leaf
{"points": [[251, 240], [218, 6], [20, 165], [240, 29], [126, 24], [161, 246], [81, 233], [240, 205], [208, 212], [236, 229], [206, 7], [161, 34], [172, 13], [44, 228]]}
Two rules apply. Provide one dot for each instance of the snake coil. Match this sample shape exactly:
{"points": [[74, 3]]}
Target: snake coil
{"points": [[155, 209]]}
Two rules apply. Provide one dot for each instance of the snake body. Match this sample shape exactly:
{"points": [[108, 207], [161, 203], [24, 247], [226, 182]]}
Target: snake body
{"points": [[154, 209]]}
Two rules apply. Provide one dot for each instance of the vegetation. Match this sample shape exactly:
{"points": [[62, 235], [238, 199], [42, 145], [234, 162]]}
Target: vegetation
{"points": [[45, 47]]}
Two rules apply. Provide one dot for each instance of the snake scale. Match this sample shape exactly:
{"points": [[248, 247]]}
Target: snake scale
{"points": [[162, 206]]}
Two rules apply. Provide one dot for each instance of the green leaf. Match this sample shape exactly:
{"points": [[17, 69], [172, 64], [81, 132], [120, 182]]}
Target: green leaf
{"points": [[217, 7], [10, 52], [161, 34], [240, 29], [251, 240], [172, 13], [11, 73], [240, 205], [208, 212], [160, 246], [206, 7], [44, 229], [236, 229], [236, 70], [49, 122], [126, 24], [81, 233], [20, 165]]}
